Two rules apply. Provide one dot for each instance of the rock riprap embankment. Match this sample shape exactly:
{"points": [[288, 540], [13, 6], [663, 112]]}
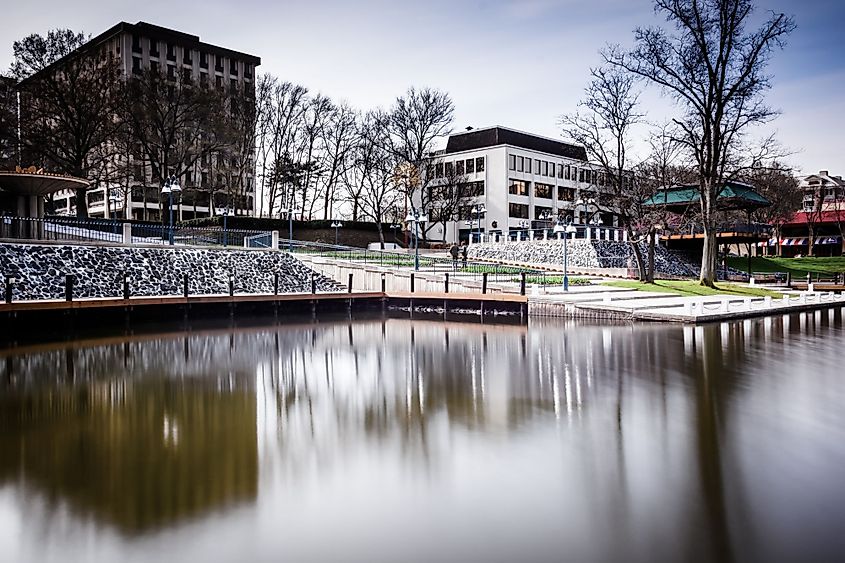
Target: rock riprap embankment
{"points": [[98, 271], [580, 254]]}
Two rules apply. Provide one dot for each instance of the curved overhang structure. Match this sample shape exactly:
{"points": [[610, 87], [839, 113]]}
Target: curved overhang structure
{"points": [[23, 183]]}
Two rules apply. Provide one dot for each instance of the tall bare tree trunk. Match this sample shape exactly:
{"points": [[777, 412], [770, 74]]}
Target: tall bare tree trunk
{"points": [[709, 257], [651, 244]]}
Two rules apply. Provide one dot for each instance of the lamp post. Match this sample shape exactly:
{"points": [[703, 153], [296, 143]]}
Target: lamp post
{"points": [[523, 225], [336, 225], [395, 226], [225, 225], [171, 185], [477, 211], [291, 211], [416, 216], [566, 231]]}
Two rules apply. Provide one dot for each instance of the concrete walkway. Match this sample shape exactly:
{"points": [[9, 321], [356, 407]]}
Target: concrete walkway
{"points": [[612, 302]]}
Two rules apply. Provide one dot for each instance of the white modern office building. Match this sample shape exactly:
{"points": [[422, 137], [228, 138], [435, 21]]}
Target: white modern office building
{"points": [[522, 181]]}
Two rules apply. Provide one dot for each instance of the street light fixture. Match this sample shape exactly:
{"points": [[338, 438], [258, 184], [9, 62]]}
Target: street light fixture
{"points": [[566, 232], [171, 186], [225, 225], [477, 211], [416, 216], [336, 225], [395, 226]]}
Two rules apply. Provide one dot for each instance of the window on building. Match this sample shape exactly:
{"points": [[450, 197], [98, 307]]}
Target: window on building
{"points": [[470, 166], [438, 170], [186, 75], [136, 44], [186, 56], [518, 210], [154, 66], [479, 164], [470, 189], [233, 85], [218, 81], [204, 180], [560, 171], [518, 187], [543, 213], [171, 72], [218, 63], [520, 164], [136, 65], [449, 168], [565, 194], [233, 67], [247, 70], [459, 168], [203, 60], [154, 48], [566, 172], [536, 166], [543, 190], [511, 162], [171, 52]]}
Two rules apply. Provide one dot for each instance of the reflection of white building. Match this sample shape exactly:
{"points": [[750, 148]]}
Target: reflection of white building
{"points": [[521, 179]]}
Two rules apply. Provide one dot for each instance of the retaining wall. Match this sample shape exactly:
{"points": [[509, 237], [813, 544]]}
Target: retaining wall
{"points": [[40, 270]]}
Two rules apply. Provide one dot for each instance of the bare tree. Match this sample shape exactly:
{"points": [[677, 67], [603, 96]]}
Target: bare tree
{"points": [[449, 194], [604, 130], [778, 184], [415, 124], [70, 103], [177, 123], [714, 67], [339, 135]]}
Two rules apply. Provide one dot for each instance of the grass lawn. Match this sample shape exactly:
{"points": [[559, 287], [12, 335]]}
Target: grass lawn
{"points": [[689, 288], [798, 267]]}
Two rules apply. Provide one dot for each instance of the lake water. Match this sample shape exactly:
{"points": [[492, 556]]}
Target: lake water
{"points": [[389, 440]]}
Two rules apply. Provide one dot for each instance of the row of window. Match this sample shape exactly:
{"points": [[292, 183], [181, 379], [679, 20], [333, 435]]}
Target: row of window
{"points": [[563, 171], [458, 167], [545, 191], [187, 57], [465, 190], [547, 214]]}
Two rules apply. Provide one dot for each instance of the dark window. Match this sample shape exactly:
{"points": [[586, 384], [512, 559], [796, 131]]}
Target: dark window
{"points": [[186, 56], [520, 164], [153, 48], [218, 81], [518, 210], [459, 168], [545, 168], [204, 179], [218, 63], [136, 65], [565, 194], [470, 166], [136, 44], [543, 213], [542, 190], [171, 52], [450, 169], [171, 72], [472, 189], [203, 60], [512, 162], [233, 85], [186, 75], [518, 187], [560, 171], [438, 170], [479, 164], [536, 166], [247, 70], [233, 67], [566, 172], [154, 66]]}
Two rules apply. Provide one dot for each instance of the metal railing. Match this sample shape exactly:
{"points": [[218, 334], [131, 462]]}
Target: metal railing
{"points": [[71, 229]]}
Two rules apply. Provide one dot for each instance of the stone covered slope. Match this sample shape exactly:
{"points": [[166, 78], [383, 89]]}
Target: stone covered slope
{"points": [[580, 254], [40, 271]]}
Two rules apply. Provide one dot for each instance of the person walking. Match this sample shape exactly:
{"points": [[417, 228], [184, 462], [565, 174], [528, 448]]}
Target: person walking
{"points": [[464, 253], [453, 251]]}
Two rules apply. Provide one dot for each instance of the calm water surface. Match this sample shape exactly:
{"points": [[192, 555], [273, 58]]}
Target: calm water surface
{"points": [[397, 440]]}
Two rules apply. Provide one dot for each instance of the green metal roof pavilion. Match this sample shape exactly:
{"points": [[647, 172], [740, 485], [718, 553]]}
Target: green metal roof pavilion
{"points": [[733, 195]]}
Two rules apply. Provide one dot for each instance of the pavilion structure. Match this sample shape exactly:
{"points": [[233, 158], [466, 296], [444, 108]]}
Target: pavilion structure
{"points": [[22, 194]]}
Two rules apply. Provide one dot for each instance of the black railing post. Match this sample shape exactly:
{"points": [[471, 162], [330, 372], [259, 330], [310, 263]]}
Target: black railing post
{"points": [[788, 279], [446, 283], [412, 282], [68, 287], [275, 283], [484, 282], [125, 285], [383, 283], [522, 283], [231, 285], [349, 284], [313, 282], [10, 286], [185, 285]]}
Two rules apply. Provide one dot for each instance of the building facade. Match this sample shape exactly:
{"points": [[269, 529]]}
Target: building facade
{"points": [[522, 181], [140, 47], [818, 228]]}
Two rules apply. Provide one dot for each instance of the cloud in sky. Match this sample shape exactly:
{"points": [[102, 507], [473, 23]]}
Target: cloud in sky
{"points": [[519, 63]]}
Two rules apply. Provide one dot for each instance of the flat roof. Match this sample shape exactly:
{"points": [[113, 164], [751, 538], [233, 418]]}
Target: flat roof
{"points": [[498, 135], [155, 32], [37, 183]]}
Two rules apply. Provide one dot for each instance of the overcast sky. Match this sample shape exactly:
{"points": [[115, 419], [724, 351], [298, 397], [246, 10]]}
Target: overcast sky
{"points": [[504, 62]]}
